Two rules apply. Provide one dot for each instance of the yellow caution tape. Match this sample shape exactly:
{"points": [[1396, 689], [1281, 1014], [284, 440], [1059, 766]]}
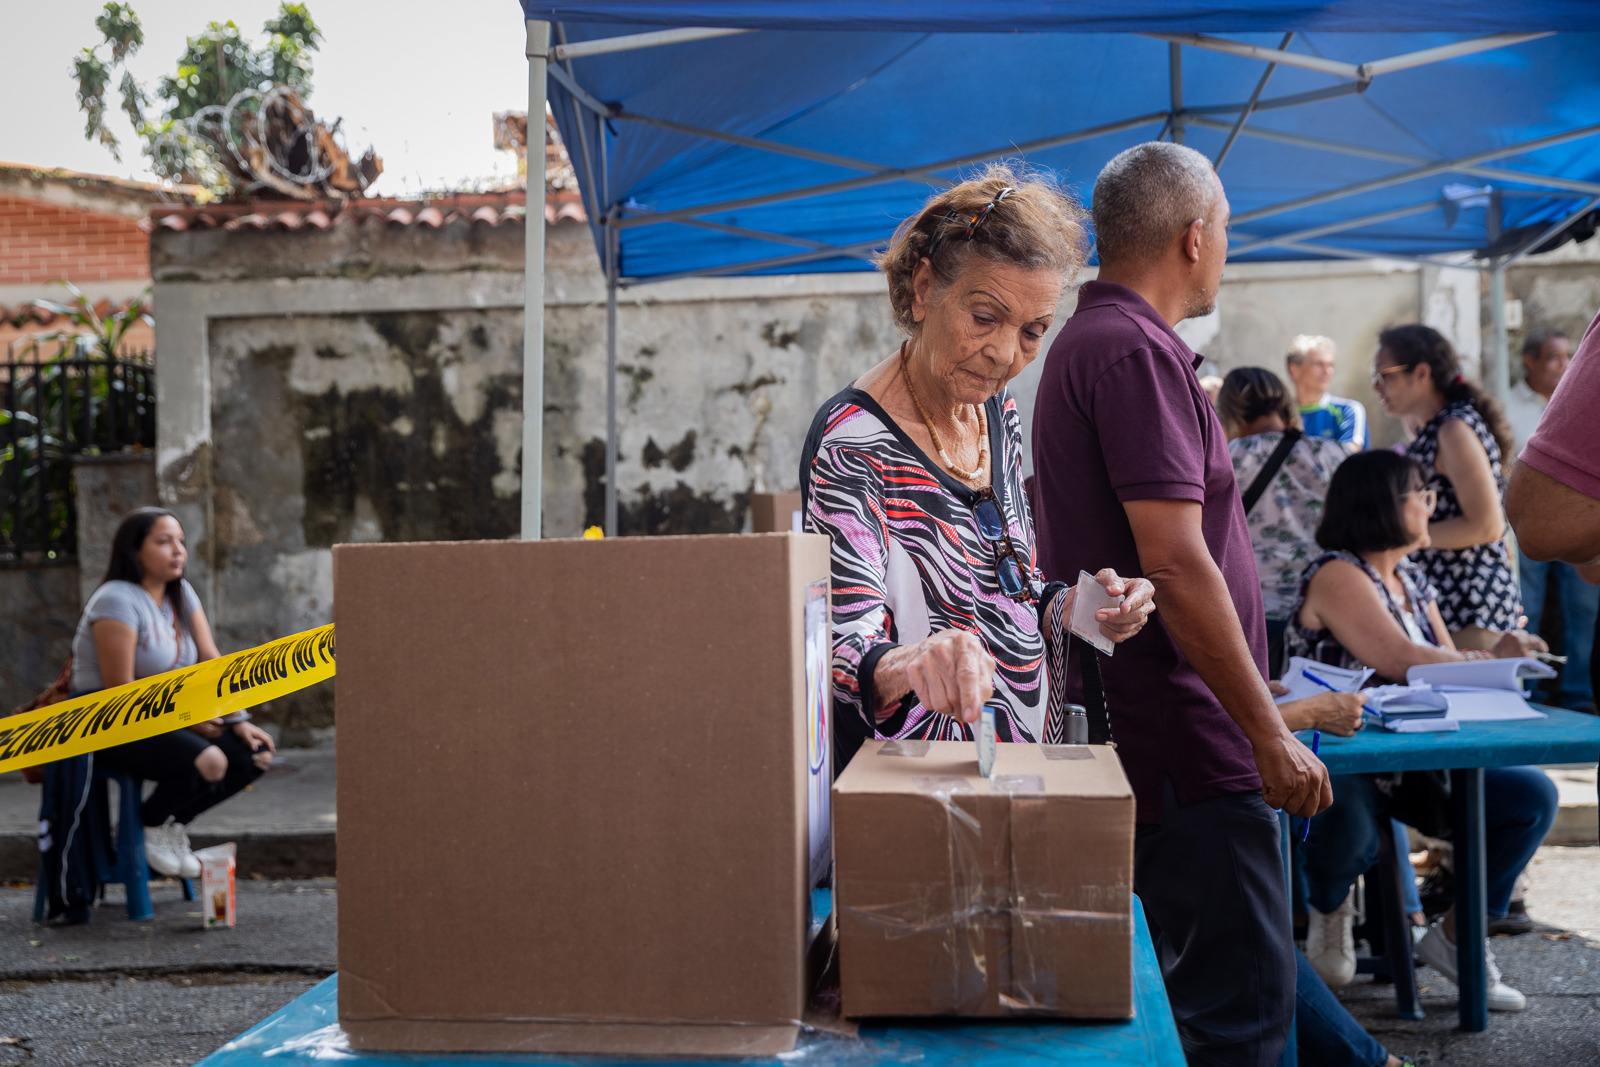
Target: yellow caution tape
{"points": [[166, 702]]}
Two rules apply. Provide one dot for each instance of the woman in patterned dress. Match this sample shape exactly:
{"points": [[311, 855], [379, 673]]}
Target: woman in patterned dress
{"points": [[1461, 437], [1256, 410], [915, 472]]}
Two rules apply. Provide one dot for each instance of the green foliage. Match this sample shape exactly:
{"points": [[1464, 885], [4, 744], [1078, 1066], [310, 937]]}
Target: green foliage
{"points": [[104, 336], [216, 66]]}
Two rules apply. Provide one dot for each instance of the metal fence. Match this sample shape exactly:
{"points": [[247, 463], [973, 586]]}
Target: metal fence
{"points": [[59, 400]]}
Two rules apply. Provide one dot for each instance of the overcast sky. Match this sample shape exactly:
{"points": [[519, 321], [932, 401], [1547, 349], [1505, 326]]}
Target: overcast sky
{"points": [[418, 82]]}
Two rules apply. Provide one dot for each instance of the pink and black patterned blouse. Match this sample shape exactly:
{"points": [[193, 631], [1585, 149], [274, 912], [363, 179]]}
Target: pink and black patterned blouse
{"points": [[908, 561]]}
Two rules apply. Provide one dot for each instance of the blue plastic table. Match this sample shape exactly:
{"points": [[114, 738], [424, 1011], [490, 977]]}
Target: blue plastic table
{"points": [[307, 1030], [1563, 737]]}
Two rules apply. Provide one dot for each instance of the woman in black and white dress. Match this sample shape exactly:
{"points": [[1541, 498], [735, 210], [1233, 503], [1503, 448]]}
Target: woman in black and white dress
{"points": [[1461, 438]]}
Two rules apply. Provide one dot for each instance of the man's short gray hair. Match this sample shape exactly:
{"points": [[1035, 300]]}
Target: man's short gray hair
{"points": [[1538, 337], [1148, 195], [1306, 343]]}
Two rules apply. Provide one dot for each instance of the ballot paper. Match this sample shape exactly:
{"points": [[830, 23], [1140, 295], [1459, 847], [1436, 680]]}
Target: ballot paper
{"points": [[1504, 674], [986, 742], [1300, 686], [1090, 598]]}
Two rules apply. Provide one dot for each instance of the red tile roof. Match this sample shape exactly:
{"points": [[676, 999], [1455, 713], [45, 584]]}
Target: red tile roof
{"points": [[503, 207]]}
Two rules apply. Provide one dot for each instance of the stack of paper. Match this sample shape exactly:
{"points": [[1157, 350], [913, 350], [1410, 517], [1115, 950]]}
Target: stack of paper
{"points": [[1484, 690]]}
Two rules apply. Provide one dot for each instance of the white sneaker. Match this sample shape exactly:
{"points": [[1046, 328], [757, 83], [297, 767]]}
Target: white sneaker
{"points": [[166, 850], [1439, 952], [1330, 943]]}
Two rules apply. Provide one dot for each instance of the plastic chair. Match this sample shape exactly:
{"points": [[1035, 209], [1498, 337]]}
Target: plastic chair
{"points": [[128, 866]]}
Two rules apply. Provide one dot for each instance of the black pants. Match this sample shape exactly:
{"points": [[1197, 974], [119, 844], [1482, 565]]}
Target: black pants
{"points": [[1211, 879], [168, 760]]}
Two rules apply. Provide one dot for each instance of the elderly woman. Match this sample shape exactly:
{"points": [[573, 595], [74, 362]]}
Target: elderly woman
{"points": [[915, 471]]}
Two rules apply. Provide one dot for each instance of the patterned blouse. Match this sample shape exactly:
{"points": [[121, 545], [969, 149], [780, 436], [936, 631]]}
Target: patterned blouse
{"points": [[1321, 646], [1476, 586], [1283, 524], [908, 562]]}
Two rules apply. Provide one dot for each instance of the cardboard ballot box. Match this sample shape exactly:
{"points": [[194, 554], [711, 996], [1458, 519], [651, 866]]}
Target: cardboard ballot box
{"points": [[583, 792], [961, 896]]}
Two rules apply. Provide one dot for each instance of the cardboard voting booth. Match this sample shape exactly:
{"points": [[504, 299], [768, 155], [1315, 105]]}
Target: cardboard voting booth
{"points": [[960, 895], [583, 792]]}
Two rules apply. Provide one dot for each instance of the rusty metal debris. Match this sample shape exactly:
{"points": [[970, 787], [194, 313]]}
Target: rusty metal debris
{"points": [[273, 140]]}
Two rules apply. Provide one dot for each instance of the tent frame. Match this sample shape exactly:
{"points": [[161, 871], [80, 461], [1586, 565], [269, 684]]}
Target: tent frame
{"points": [[547, 61]]}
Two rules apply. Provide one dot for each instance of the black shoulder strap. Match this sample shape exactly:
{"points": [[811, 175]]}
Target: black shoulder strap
{"points": [[1270, 470], [1094, 694]]}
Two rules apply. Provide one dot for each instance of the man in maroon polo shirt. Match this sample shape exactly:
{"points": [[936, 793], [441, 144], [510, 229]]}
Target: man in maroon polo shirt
{"points": [[1132, 471]]}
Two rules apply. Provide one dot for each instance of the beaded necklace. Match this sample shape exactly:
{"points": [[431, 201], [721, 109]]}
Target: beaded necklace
{"points": [[983, 428]]}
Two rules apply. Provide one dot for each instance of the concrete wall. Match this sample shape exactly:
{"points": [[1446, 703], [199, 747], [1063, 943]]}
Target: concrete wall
{"points": [[39, 609], [107, 489]]}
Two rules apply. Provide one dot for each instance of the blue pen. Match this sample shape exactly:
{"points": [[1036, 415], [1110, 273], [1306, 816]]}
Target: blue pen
{"points": [[1330, 687], [1316, 742]]}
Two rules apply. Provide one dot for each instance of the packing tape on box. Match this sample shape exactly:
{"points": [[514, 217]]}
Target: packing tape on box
{"points": [[967, 912], [166, 702]]}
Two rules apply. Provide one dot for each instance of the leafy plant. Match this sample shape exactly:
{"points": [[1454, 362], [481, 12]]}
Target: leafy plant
{"points": [[216, 67]]}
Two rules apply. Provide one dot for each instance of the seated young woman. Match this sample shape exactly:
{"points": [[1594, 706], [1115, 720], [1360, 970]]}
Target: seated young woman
{"points": [[1363, 604]]}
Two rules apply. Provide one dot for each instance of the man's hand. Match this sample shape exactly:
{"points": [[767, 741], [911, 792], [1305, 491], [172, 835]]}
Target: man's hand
{"points": [[1128, 618], [1291, 777]]}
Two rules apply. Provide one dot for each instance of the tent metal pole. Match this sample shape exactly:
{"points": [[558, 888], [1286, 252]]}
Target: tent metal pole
{"points": [[856, 251], [758, 235], [1337, 227], [1363, 152], [611, 373], [1175, 89], [1250, 106], [759, 143], [1499, 376], [635, 41], [898, 174], [1412, 175], [579, 93], [538, 43], [1363, 72], [591, 204], [1274, 103]]}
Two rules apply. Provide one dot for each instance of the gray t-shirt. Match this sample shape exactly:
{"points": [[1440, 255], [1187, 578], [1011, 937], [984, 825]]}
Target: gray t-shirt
{"points": [[158, 648]]}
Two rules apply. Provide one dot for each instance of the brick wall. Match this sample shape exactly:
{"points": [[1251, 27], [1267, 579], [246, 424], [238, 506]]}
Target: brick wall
{"points": [[43, 242]]}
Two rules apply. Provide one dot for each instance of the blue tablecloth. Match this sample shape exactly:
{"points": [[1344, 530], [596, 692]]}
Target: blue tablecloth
{"points": [[307, 1030], [1563, 737]]}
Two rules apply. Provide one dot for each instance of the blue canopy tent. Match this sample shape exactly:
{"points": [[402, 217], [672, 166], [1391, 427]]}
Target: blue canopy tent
{"points": [[729, 137]]}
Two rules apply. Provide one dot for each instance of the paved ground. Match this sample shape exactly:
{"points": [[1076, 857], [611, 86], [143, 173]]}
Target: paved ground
{"points": [[166, 992], [1557, 968]]}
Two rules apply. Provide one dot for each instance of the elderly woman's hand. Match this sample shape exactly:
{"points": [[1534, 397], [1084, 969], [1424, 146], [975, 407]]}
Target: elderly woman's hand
{"points": [[951, 672], [1128, 618]]}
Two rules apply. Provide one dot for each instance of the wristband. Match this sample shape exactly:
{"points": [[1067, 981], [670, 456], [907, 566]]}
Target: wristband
{"points": [[236, 718]]}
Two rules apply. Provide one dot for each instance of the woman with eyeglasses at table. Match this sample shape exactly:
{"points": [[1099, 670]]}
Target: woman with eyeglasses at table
{"points": [[1461, 437], [1364, 604], [915, 472]]}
